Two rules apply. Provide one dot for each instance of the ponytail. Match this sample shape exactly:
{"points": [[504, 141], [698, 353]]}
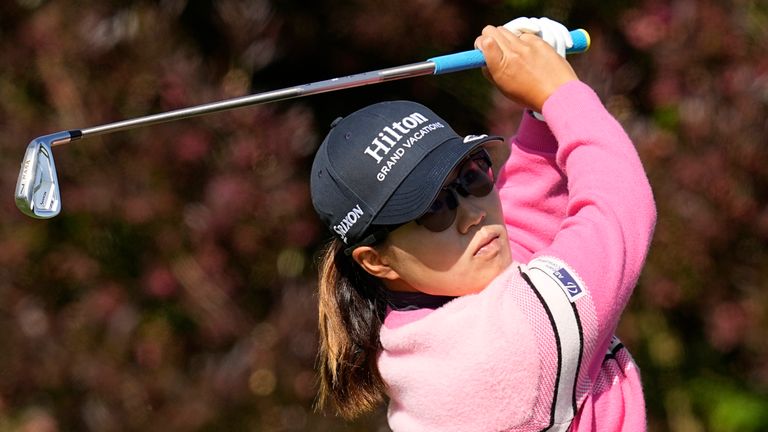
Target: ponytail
{"points": [[351, 310]]}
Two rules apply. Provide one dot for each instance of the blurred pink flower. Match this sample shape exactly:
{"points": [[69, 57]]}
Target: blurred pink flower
{"points": [[647, 26], [229, 196], [727, 325], [160, 282], [192, 146]]}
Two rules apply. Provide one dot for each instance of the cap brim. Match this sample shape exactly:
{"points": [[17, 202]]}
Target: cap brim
{"points": [[415, 194]]}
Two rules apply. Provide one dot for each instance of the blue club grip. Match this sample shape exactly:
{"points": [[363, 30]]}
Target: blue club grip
{"points": [[474, 59]]}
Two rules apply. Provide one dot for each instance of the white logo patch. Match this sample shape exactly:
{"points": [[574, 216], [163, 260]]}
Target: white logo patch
{"points": [[560, 272]]}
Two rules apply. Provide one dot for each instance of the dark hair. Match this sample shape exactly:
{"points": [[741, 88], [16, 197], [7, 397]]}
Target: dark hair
{"points": [[351, 310]]}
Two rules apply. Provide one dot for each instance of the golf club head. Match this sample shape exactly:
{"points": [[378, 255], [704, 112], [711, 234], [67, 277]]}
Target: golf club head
{"points": [[37, 189]]}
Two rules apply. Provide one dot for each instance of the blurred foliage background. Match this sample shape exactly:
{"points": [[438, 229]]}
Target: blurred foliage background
{"points": [[176, 289]]}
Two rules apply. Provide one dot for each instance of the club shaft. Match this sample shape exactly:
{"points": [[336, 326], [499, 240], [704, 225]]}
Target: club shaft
{"points": [[389, 74], [434, 66]]}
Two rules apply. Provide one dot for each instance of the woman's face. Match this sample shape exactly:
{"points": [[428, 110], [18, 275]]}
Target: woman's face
{"points": [[462, 259]]}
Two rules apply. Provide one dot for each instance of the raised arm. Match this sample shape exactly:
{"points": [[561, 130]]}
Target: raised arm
{"points": [[610, 212], [531, 186]]}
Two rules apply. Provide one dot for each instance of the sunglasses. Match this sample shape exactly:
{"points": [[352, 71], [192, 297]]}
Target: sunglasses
{"points": [[474, 178]]}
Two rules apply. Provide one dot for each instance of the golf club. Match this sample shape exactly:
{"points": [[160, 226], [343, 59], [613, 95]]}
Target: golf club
{"points": [[37, 188]]}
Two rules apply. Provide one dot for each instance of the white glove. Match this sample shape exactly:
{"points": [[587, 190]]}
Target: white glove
{"points": [[553, 33]]}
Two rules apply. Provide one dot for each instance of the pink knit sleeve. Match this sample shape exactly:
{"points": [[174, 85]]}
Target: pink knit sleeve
{"points": [[610, 213], [532, 189]]}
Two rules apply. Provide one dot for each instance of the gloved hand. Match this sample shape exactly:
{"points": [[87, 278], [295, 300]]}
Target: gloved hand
{"points": [[553, 33]]}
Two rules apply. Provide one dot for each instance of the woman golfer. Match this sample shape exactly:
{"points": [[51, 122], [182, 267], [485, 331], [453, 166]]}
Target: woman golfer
{"points": [[475, 284]]}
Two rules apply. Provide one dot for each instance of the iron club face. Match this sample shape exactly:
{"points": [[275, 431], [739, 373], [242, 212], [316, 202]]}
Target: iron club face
{"points": [[37, 188]]}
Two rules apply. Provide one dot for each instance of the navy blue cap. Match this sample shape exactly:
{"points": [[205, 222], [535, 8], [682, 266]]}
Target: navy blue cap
{"points": [[385, 164]]}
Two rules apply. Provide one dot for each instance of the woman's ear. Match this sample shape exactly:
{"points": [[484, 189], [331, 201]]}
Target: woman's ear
{"points": [[374, 263]]}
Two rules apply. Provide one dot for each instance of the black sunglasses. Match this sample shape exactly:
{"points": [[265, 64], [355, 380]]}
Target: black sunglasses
{"points": [[475, 178]]}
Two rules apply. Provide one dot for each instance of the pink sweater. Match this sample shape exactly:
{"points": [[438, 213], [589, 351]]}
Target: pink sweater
{"points": [[535, 350]]}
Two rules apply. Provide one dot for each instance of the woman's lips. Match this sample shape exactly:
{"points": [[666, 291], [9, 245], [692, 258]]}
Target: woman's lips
{"points": [[488, 245]]}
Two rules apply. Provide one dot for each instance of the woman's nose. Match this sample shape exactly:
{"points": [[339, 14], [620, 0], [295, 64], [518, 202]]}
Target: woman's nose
{"points": [[470, 213]]}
